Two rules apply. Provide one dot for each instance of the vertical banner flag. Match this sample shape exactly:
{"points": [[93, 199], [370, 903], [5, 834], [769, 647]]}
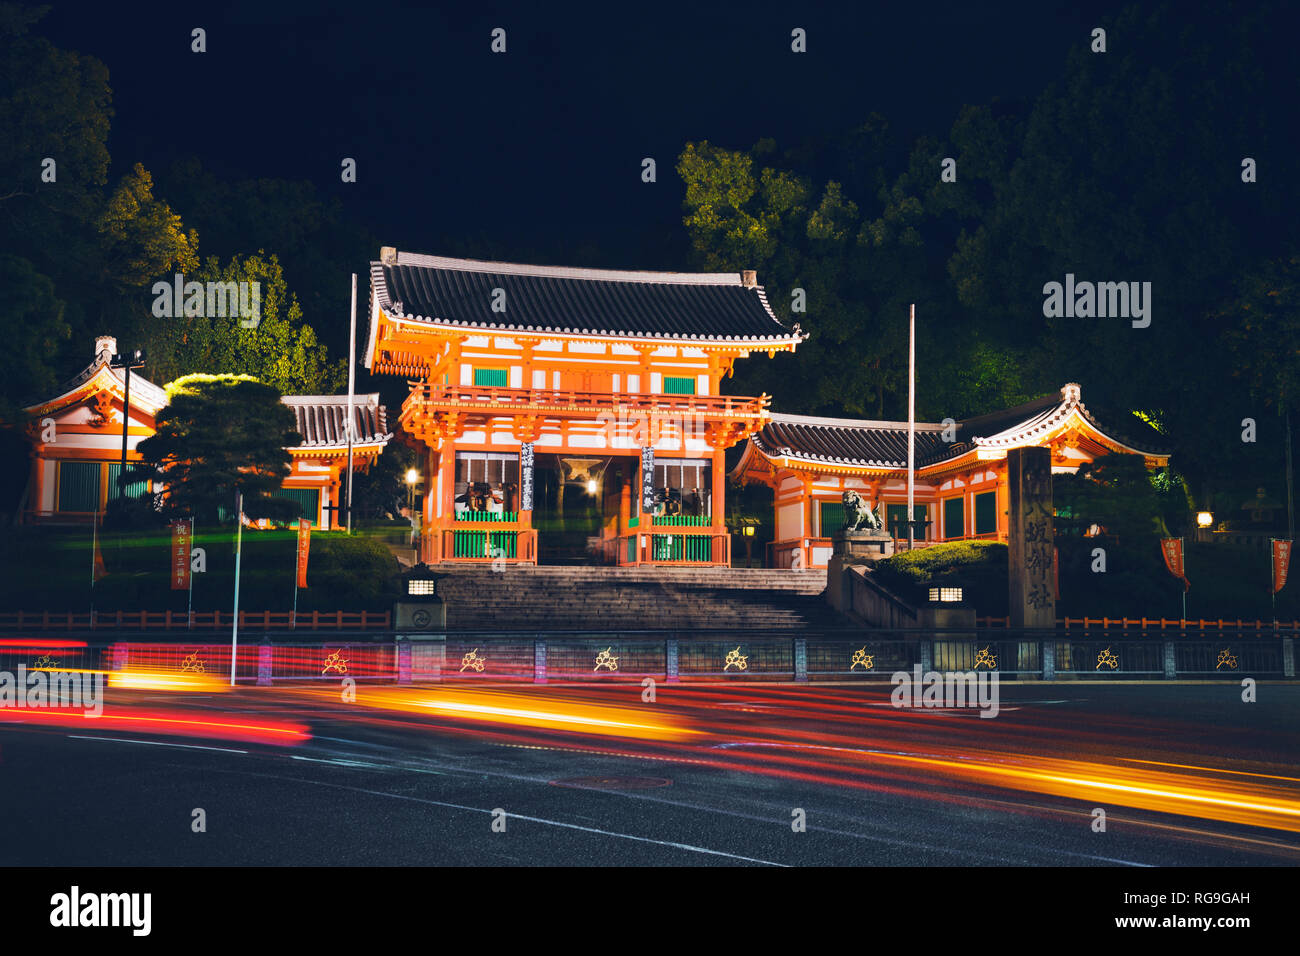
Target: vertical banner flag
{"points": [[526, 476], [648, 480], [1172, 548], [180, 555], [304, 546], [1281, 562]]}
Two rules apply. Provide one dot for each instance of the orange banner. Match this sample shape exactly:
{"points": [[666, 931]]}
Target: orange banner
{"points": [[1172, 549], [1281, 562], [304, 547], [180, 555]]}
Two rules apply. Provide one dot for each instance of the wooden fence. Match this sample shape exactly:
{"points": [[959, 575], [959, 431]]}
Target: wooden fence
{"points": [[1156, 624]]}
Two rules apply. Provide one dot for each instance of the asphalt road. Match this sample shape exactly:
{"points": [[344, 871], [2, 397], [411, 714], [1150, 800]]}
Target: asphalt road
{"points": [[1186, 775]]}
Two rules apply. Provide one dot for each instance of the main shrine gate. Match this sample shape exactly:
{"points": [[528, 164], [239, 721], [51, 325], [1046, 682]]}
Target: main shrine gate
{"points": [[570, 415]]}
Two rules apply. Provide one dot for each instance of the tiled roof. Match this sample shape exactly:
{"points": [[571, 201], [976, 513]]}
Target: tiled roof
{"points": [[849, 441], [872, 444], [144, 393], [550, 299], [321, 419]]}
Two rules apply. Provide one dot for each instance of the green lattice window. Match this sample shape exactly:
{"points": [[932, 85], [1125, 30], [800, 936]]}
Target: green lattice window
{"points": [[79, 486], [307, 500], [986, 513], [954, 518], [896, 519], [832, 517], [678, 386], [136, 489], [492, 377]]}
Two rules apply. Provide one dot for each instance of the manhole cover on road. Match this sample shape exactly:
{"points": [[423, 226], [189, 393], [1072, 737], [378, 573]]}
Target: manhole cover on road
{"points": [[612, 783]]}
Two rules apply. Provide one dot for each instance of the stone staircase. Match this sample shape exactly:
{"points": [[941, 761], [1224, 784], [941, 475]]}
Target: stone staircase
{"points": [[634, 598]]}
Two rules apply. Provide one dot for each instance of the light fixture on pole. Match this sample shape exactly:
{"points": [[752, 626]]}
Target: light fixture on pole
{"points": [[1204, 519], [412, 479]]}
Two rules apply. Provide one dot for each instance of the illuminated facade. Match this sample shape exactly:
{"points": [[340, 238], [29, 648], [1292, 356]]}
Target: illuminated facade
{"points": [[76, 439], [570, 415], [960, 487]]}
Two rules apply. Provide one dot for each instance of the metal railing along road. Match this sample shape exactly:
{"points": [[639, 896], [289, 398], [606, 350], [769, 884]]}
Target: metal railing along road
{"points": [[727, 654]]}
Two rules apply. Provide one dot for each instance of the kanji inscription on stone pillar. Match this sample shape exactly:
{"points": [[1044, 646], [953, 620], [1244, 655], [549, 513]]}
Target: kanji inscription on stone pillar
{"points": [[1031, 529]]}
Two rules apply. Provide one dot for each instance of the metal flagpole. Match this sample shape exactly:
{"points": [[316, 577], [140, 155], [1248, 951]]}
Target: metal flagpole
{"points": [[911, 424], [94, 547], [352, 371], [189, 614], [239, 538], [1272, 577]]}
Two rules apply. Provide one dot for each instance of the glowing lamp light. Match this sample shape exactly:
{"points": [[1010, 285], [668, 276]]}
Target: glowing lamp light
{"points": [[591, 486], [945, 595], [1204, 519], [412, 476], [749, 531]]}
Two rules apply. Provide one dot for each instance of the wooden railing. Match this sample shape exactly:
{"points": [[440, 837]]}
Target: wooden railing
{"points": [[1218, 625], [200, 620], [433, 397], [484, 541], [680, 546]]}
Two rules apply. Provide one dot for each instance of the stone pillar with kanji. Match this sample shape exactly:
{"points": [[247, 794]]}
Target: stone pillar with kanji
{"points": [[1030, 538]]}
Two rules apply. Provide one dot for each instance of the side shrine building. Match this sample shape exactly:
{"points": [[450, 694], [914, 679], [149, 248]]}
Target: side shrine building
{"points": [[76, 439], [570, 415], [960, 486]]}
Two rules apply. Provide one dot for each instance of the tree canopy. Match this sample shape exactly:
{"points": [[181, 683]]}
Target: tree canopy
{"points": [[220, 434]]}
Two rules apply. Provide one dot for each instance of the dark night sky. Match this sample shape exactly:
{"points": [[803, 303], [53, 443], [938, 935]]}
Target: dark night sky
{"points": [[539, 148]]}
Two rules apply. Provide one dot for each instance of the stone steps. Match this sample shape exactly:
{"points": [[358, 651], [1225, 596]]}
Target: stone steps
{"points": [[636, 598]]}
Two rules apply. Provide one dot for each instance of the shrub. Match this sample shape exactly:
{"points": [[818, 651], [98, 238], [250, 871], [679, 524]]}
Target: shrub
{"points": [[978, 567]]}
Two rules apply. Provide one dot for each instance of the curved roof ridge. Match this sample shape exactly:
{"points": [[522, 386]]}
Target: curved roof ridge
{"points": [[562, 272]]}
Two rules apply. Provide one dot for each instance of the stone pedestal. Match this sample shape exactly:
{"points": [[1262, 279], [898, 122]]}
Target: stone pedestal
{"points": [[848, 547], [863, 543], [1030, 539]]}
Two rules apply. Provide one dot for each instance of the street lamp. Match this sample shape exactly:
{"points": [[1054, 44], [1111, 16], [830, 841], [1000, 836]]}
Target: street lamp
{"points": [[412, 479], [126, 362], [1204, 519]]}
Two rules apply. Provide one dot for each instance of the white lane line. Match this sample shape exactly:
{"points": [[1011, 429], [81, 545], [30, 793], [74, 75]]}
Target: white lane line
{"points": [[519, 816], [155, 743]]}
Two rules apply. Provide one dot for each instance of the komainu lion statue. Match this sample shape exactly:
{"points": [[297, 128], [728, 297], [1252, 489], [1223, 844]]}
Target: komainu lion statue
{"points": [[857, 514]]}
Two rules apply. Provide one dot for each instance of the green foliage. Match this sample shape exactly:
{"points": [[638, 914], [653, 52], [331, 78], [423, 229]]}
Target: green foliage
{"points": [[382, 490], [281, 351], [978, 567], [1115, 492], [33, 328], [219, 434], [49, 569], [141, 237]]}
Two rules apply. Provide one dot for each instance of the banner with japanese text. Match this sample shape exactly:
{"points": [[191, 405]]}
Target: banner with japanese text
{"points": [[180, 555], [1172, 549], [1281, 562], [304, 546]]}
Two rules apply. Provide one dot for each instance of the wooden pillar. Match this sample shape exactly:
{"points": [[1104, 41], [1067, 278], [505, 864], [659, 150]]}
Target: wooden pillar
{"points": [[718, 505]]}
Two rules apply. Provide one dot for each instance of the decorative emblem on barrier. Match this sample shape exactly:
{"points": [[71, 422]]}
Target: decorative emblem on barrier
{"points": [[985, 659], [607, 660], [1108, 659], [336, 663], [736, 659], [1226, 659], [868, 661], [44, 661], [473, 661], [192, 664]]}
